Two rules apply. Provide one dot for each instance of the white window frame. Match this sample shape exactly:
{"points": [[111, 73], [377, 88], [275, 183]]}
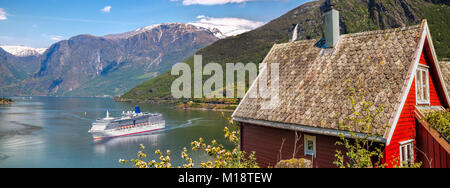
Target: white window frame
{"points": [[409, 157], [313, 140], [423, 69]]}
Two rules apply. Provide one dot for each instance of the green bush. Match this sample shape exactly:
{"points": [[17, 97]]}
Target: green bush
{"points": [[440, 120], [6, 100]]}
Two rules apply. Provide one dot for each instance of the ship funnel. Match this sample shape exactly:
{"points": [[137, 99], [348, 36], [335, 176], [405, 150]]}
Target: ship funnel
{"points": [[137, 110]]}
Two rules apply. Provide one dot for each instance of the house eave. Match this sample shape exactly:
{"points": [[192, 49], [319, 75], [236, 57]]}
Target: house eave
{"points": [[308, 129]]}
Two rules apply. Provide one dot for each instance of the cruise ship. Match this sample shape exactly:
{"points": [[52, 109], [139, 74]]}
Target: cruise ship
{"points": [[131, 123]]}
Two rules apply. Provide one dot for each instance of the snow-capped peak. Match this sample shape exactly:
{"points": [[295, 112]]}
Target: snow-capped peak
{"points": [[143, 29], [219, 34], [23, 50], [131, 33], [215, 31]]}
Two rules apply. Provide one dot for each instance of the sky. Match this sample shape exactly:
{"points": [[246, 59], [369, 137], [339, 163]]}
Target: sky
{"points": [[40, 23]]}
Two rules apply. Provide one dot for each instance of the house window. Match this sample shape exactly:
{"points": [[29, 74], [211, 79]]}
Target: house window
{"points": [[407, 152], [422, 85], [310, 145]]}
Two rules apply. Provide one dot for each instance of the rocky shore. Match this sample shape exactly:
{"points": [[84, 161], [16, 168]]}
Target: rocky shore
{"points": [[4, 101]]}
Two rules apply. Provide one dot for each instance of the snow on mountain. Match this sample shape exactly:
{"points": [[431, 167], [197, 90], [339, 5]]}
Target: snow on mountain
{"points": [[131, 33], [226, 27], [144, 29], [213, 30], [23, 51], [222, 31]]}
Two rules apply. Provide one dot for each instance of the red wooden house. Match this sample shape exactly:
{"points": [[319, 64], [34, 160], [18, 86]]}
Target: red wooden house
{"points": [[399, 70]]}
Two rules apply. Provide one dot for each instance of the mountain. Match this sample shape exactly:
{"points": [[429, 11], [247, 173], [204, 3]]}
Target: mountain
{"points": [[7, 68], [23, 51], [87, 65], [355, 16], [22, 59], [16, 64]]}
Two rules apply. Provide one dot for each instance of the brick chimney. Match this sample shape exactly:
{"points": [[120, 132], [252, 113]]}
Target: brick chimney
{"points": [[331, 25]]}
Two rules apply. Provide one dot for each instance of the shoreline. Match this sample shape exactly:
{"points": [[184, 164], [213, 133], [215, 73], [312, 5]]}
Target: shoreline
{"points": [[203, 109], [6, 101], [153, 101], [206, 106], [185, 105]]}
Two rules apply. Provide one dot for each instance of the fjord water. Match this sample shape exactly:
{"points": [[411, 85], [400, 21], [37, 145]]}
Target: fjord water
{"points": [[53, 132]]}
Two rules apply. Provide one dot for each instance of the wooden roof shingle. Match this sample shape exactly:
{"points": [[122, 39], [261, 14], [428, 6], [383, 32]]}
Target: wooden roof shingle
{"points": [[445, 69]]}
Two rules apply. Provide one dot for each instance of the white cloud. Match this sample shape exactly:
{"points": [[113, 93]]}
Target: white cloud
{"points": [[228, 26], [212, 2], [56, 38], [107, 9], [3, 14]]}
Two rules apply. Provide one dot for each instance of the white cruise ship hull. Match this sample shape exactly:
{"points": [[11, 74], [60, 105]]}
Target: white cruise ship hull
{"points": [[126, 131]]}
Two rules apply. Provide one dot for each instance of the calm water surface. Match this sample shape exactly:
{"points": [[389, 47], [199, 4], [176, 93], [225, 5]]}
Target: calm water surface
{"points": [[53, 132]]}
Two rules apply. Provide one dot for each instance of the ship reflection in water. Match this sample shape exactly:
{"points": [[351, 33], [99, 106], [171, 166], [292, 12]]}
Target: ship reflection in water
{"points": [[101, 146]]}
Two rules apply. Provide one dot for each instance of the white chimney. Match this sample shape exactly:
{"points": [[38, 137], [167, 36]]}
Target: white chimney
{"points": [[331, 26]]}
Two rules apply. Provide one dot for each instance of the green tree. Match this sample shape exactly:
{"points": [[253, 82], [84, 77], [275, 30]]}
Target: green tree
{"points": [[360, 150], [440, 120]]}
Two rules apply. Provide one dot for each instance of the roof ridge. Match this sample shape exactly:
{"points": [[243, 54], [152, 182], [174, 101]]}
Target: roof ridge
{"points": [[364, 33], [375, 32], [297, 42]]}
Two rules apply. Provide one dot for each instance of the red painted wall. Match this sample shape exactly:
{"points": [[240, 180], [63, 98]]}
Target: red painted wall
{"points": [[430, 150], [435, 98], [405, 128], [266, 142]]}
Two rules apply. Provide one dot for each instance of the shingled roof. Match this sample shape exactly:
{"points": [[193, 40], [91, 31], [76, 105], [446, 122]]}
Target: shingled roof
{"points": [[445, 69], [314, 81]]}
